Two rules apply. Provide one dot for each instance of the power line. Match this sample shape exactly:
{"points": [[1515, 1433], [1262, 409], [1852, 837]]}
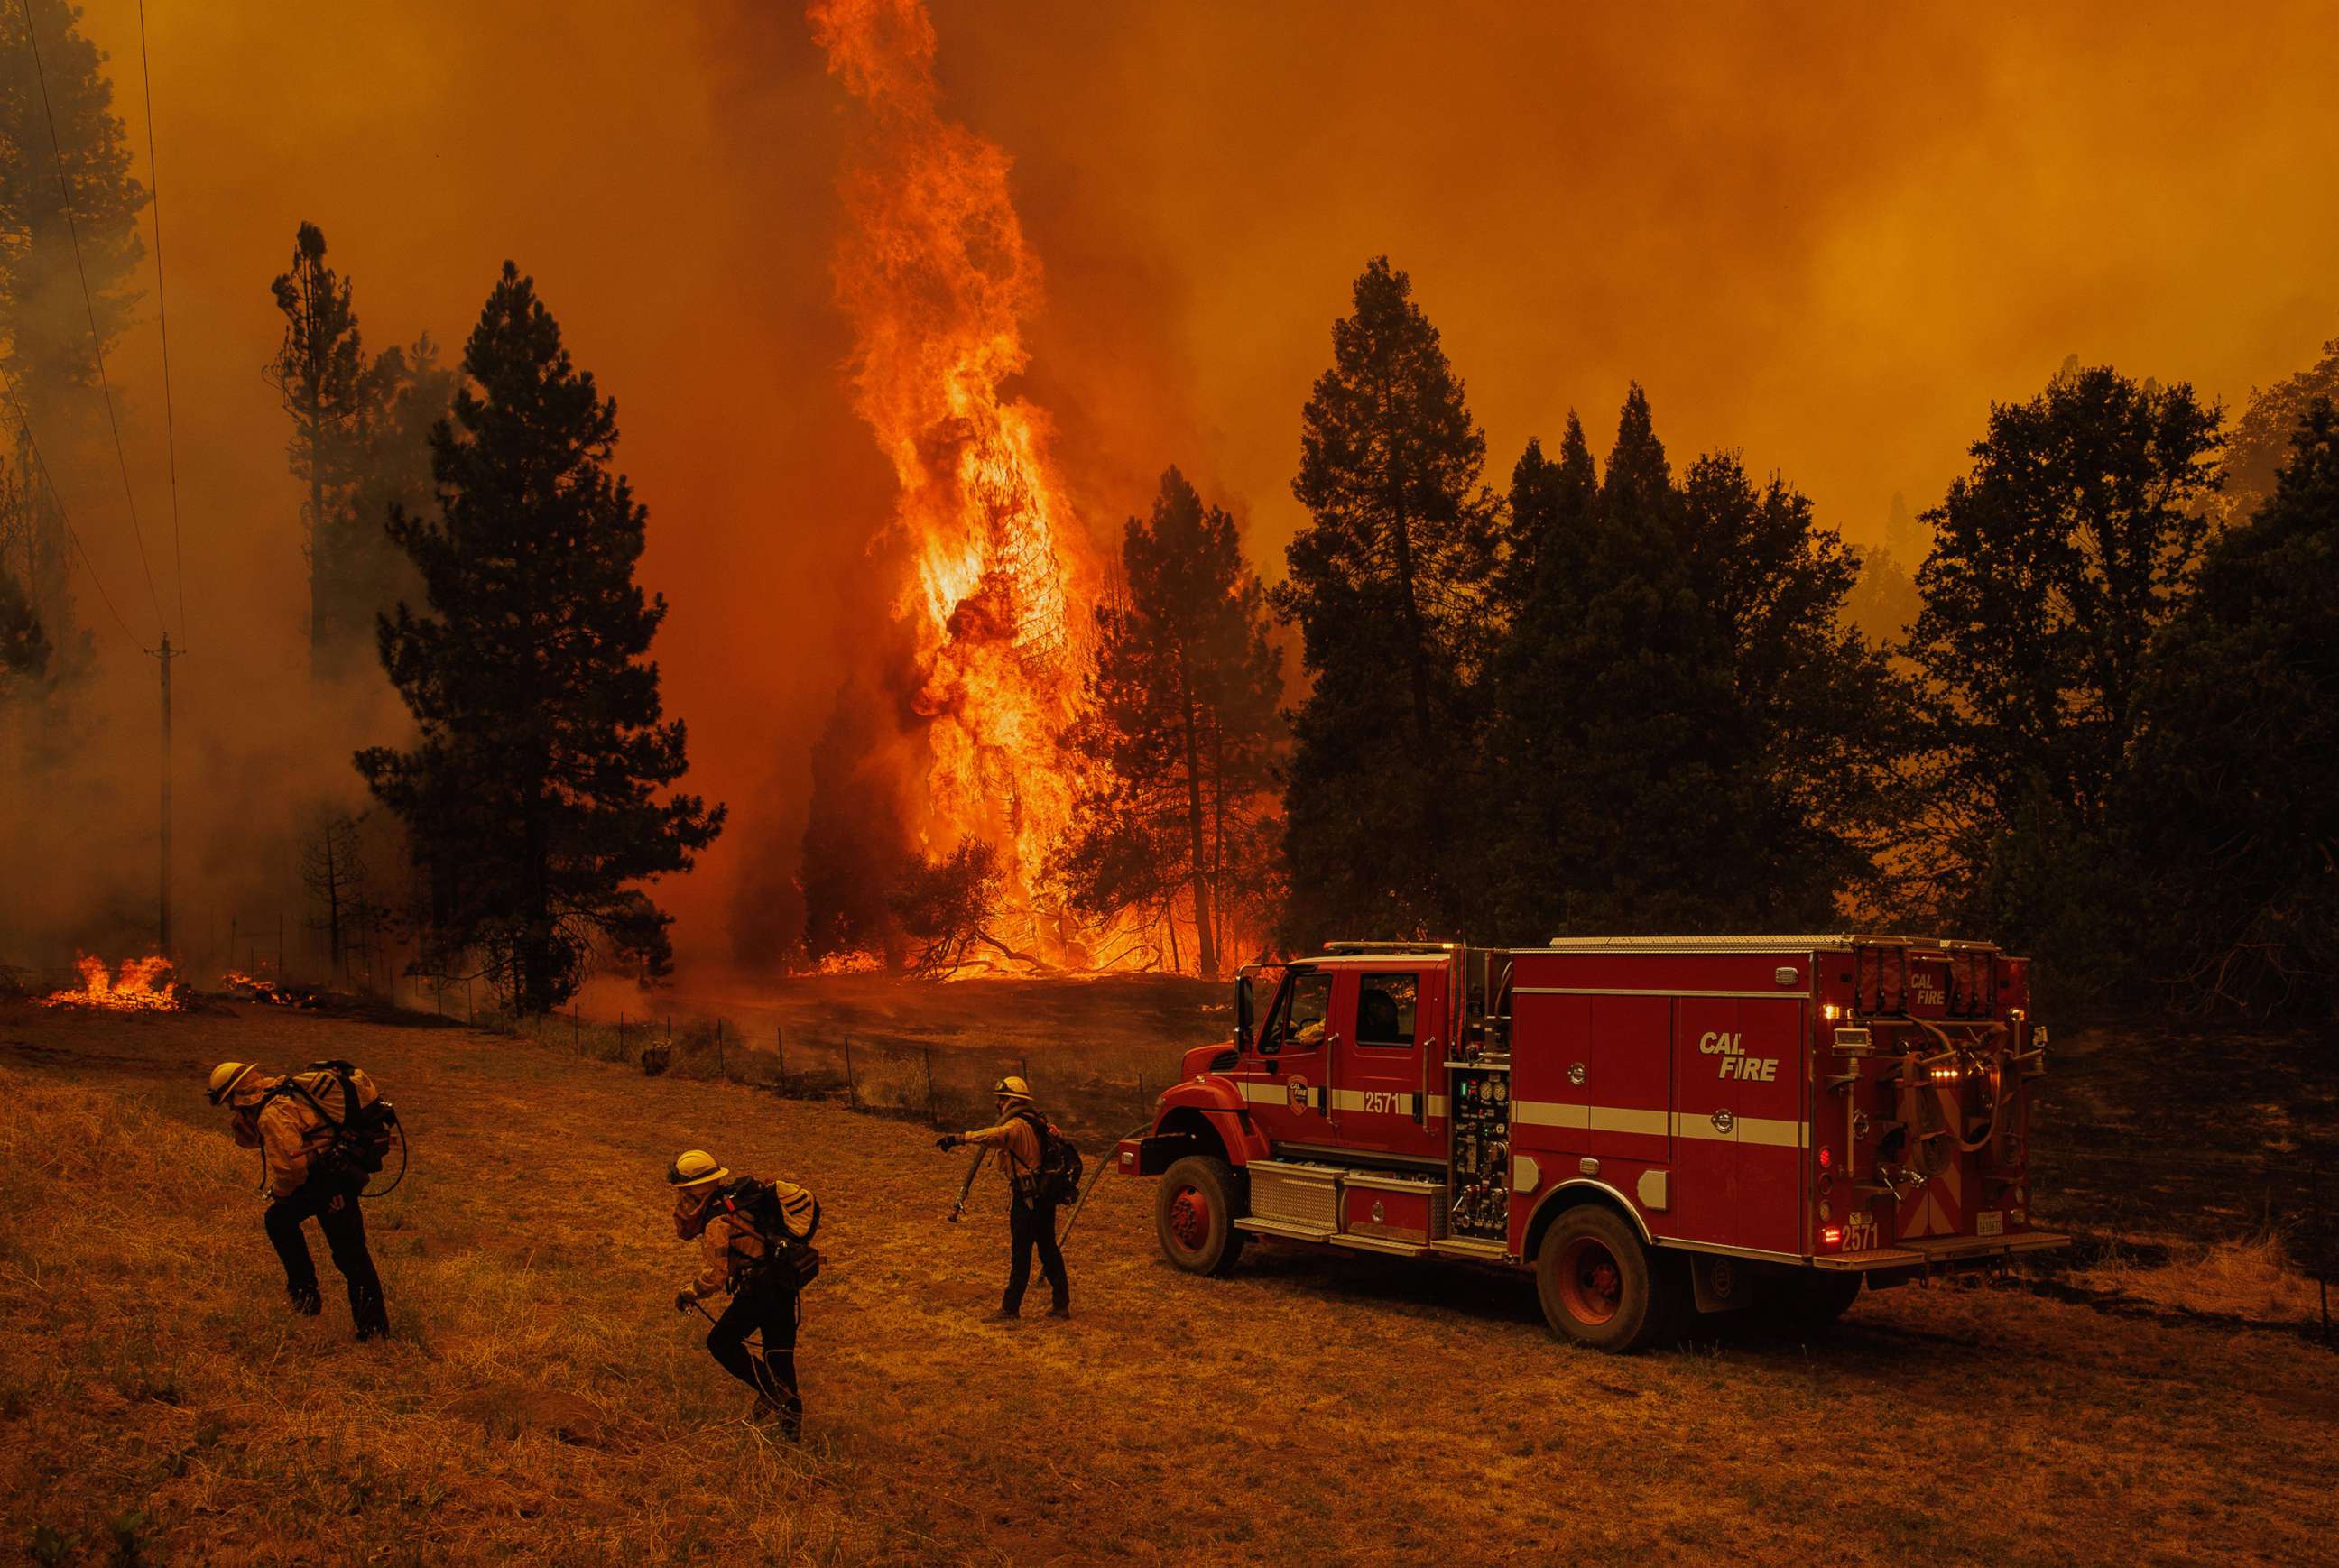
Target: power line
{"points": [[26, 424], [89, 303], [163, 309]]}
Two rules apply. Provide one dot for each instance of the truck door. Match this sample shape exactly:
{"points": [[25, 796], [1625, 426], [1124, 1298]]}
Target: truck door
{"points": [[1378, 1066], [1289, 1100], [1739, 1121]]}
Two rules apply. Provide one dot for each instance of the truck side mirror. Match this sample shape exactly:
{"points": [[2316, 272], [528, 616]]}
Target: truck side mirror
{"points": [[1242, 1012]]}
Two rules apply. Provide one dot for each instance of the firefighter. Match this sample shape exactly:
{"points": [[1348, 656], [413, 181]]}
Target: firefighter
{"points": [[1019, 1140], [293, 1136], [756, 1241]]}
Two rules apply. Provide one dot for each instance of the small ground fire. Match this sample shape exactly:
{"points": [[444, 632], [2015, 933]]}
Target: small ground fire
{"points": [[140, 985]]}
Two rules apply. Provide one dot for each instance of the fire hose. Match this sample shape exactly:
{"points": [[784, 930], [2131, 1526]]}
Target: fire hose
{"points": [[1096, 1176]]}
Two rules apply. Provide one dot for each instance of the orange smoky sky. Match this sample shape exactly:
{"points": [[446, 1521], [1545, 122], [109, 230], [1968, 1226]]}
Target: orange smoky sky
{"points": [[1827, 235]]}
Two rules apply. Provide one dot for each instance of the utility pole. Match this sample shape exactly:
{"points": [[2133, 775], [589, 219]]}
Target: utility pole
{"points": [[166, 655]]}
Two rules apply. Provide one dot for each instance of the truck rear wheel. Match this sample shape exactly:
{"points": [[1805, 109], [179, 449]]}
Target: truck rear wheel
{"points": [[1599, 1285], [1194, 1213]]}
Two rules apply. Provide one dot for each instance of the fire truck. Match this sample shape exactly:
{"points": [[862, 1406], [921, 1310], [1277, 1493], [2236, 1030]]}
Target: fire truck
{"points": [[1659, 1127]]}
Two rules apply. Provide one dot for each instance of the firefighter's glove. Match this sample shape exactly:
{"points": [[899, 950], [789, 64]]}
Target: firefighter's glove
{"points": [[684, 1301], [948, 1140]]}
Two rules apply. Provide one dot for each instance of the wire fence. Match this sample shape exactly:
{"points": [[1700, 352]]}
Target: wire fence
{"points": [[1090, 1094]]}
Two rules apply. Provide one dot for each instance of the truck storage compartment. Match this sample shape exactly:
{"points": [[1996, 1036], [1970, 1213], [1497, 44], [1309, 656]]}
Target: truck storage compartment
{"points": [[1393, 1207], [1302, 1196]]}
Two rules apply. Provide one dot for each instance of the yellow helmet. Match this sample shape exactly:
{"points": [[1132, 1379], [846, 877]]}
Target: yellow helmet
{"points": [[1012, 1087], [226, 1076], [695, 1168]]}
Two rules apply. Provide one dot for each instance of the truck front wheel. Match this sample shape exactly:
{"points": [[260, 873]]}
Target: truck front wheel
{"points": [[1195, 1214], [1599, 1285]]}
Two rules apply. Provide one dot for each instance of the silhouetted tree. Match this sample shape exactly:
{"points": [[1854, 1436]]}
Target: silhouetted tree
{"points": [[45, 353], [2259, 445], [1684, 736], [359, 445], [532, 797], [2054, 564], [1174, 746], [1389, 583], [2235, 794], [945, 908]]}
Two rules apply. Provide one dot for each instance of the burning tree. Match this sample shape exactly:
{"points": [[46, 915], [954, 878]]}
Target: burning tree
{"points": [[530, 800], [1174, 746], [938, 280]]}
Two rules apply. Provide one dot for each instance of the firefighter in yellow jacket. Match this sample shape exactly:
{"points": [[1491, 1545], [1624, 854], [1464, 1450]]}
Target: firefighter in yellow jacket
{"points": [[271, 1114], [1018, 1140], [757, 1243]]}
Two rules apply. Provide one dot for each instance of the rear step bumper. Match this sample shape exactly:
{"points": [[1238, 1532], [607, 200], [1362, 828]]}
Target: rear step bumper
{"points": [[1938, 1252]]}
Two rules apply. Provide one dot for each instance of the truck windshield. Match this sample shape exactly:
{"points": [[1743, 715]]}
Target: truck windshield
{"points": [[1298, 1022]]}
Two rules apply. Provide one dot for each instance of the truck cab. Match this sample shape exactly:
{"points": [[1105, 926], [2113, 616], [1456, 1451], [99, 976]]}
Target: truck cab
{"points": [[1657, 1126]]}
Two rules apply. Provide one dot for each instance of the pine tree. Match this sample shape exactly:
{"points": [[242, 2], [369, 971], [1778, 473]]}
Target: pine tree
{"points": [[359, 445], [46, 352], [2259, 447], [1390, 586], [531, 799], [1175, 745], [1683, 736], [2233, 803], [2055, 562]]}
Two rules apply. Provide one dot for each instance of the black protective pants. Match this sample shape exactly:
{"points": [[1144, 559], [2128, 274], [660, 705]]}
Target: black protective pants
{"points": [[333, 1205], [1032, 1225], [765, 1304]]}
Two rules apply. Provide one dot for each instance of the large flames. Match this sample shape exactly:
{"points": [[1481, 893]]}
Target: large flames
{"points": [[140, 985], [935, 275]]}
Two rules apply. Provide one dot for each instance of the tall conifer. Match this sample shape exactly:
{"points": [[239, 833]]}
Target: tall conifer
{"points": [[1390, 586], [533, 796]]}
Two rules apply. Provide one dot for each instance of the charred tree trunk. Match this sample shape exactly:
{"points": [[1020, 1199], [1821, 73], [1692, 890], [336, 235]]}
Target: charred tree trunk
{"points": [[1198, 865]]}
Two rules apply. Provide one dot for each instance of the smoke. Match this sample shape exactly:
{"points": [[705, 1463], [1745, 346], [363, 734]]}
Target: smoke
{"points": [[1827, 235]]}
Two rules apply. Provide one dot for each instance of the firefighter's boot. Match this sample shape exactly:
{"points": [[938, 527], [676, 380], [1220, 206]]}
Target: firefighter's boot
{"points": [[1061, 1309], [305, 1300], [1004, 1315], [370, 1313]]}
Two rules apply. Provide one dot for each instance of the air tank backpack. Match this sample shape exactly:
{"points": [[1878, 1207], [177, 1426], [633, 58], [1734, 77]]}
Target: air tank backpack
{"points": [[365, 1125], [1059, 1178], [759, 1203]]}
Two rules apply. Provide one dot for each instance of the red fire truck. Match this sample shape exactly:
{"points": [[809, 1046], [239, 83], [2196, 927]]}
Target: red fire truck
{"points": [[1656, 1126]]}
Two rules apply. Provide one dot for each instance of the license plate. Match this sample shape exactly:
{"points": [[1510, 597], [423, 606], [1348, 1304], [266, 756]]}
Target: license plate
{"points": [[1990, 1223]]}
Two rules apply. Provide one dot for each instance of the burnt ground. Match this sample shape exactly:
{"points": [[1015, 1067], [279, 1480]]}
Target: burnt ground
{"points": [[2151, 1135]]}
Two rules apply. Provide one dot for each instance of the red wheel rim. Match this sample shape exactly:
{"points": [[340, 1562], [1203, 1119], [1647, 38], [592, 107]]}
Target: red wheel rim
{"points": [[1591, 1283], [1189, 1218]]}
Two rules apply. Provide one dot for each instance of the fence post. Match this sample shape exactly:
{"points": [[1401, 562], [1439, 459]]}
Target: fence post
{"points": [[720, 1070], [576, 1029], [470, 1014], [780, 1049], [931, 1119], [621, 1034], [852, 1098]]}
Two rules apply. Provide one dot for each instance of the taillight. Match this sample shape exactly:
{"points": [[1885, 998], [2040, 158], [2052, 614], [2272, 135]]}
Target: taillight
{"points": [[1827, 1158], [1830, 1236]]}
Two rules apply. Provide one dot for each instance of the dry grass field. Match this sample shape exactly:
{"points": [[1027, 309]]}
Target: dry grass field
{"points": [[541, 1400]]}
